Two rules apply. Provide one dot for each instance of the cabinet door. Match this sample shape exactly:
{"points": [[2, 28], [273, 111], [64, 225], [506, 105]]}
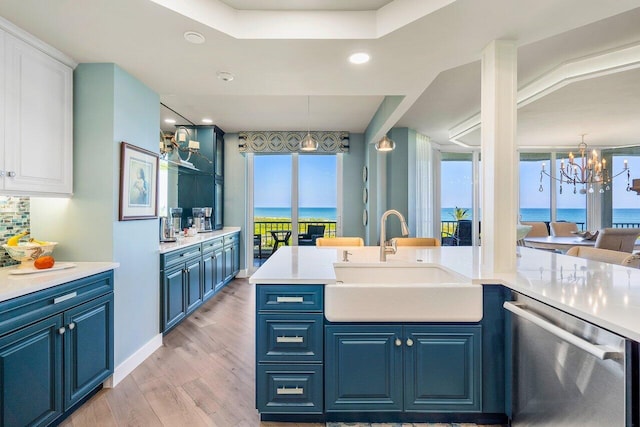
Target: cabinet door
{"points": [[219, 155], [31, 372], [442, 368], [193, 284], [38, 124], [219, 270], [88, 346], [228, 263], [173, 297], [236, 257], [363, 368], [209, 274]]}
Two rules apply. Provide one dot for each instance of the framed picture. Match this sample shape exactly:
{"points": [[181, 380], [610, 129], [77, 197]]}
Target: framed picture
{"points": [[138, 183]]}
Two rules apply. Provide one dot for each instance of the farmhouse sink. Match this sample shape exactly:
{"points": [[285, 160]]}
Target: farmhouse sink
{"points": [[411, 292]]}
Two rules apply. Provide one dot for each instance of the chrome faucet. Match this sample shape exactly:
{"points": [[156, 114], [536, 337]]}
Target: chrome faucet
{"points": [[384, 249]]}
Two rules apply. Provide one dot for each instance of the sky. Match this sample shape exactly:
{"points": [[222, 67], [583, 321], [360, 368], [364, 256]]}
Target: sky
{"points": [[317, 180]]}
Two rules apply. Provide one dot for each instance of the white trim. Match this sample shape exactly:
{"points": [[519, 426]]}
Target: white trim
{"points": [[249, 224], [602, 64], [295, 197], [18, 32], [132, 362], [244, 273], [339, 192]]}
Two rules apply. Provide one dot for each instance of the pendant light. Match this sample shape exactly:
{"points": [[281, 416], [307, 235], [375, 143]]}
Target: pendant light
{"points": [[385, 143], [308, 143]]}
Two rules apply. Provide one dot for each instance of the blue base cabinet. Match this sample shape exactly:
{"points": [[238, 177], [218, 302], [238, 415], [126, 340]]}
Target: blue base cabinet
{"points": [[363, 368], [56, 347], [289, 349], [191, 275], [411, 368], [443, 368]]}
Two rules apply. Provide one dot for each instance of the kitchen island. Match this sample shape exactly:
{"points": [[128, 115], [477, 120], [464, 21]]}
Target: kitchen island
{"points": [[469, 376]]}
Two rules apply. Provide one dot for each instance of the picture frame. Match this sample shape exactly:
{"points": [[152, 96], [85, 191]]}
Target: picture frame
{"points": [[138, 183]]}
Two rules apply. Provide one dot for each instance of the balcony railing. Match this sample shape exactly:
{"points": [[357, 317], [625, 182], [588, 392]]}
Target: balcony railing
{"points": [[263, 229]]}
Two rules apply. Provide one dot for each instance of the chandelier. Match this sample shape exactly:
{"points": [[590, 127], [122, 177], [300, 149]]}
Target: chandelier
{"points": [[585, 171]]}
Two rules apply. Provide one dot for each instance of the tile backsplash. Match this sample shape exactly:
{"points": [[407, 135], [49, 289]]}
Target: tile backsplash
{"points": [[14, 218]]}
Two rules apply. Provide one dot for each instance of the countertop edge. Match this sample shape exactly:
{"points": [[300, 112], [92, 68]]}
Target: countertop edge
{"points": [[185, 242]]}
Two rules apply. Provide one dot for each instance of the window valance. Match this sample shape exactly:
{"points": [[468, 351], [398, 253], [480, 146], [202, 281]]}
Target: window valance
{"points": [[289, 142]]}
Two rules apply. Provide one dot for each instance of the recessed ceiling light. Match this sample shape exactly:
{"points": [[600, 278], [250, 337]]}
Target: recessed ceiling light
{"points": [[225, 76], [169, 121], [208, 121], [193, 37], [359, 58]]}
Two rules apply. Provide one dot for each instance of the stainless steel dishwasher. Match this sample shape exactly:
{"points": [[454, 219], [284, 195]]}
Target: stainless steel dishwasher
{"points": [[566, 372]]}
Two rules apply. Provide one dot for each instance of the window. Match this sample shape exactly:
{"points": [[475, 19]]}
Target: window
{"points": [[625, 204], [456, 195], [535, 205]]}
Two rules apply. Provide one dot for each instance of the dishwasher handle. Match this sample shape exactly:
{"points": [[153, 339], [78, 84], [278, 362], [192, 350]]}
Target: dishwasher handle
{"points": [[602, 352]]}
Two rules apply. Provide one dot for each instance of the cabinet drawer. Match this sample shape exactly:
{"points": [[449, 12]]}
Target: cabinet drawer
{"points": [[283, 389], [212, 245], [230, 239], [176, 257], [23, 310], [290, 298], [290, 338]]}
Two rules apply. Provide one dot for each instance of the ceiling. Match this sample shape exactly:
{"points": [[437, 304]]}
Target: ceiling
{"points": [[432, 61]]}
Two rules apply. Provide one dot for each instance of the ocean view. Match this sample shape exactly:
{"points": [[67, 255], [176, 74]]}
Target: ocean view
{"points": [[571, 215], [303, 213]]}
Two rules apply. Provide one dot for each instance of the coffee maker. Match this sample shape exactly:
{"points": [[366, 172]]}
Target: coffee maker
{"points": [[198, 219], [207, 219], [176, 219], [167, 233]]}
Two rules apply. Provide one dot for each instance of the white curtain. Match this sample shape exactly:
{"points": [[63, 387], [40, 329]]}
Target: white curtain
{"points": [[424, 187]]}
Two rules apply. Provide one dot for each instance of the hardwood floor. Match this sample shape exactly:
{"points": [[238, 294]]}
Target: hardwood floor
{"points": [[203, 375]]}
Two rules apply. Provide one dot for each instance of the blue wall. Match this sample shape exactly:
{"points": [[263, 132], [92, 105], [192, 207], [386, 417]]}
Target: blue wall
{"points": [[110, 106]]}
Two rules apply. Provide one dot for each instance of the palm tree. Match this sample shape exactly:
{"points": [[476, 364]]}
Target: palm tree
{"points": [[459, 213]]}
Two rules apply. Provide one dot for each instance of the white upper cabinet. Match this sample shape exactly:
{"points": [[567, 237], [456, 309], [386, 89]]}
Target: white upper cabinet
{"points": [[36, 121]]}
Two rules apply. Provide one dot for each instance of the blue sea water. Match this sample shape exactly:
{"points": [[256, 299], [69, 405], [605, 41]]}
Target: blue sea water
{"points": [[571, 215], [303, 213]]}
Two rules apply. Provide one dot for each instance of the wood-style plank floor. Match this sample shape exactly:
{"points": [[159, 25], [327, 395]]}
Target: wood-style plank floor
{"points": [[203, 375]]}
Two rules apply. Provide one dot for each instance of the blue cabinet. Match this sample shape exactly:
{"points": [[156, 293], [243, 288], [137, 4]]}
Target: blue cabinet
{"points": [[289, 349], [443, 368], [56, 347], [411, 368], [31, 371], [363, 368], [191, 275]]}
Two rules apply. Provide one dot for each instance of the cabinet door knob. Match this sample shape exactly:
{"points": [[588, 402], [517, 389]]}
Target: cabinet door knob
{"points": [[61, 331], [71, 326], [398, 342], [409, 342], [11, 174]]}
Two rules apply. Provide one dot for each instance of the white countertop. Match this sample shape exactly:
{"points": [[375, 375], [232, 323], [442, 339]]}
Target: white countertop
{"points": [[605, 294], [183, 242], [12, 286]]}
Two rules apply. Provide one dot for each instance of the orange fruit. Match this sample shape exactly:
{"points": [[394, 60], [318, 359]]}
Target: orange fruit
{"points": [[44, 262]]}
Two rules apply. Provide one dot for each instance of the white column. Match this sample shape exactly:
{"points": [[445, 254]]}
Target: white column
{"points": [[499, 157]]}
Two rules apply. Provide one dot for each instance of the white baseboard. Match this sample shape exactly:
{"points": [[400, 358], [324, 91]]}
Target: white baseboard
{"points": [[132, 362], [243, 274]]}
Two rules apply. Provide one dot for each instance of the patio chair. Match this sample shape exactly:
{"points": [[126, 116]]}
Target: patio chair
{"points": [[309, 238], [417, 241], [461, 235], [257, 241], [563, 229], [617, 239], [339, 241], [605, 255]]}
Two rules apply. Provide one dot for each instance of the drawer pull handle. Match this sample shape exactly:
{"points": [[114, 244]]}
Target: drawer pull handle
{"points": [[290, 299], [190, 254], [285, 390], [64, 298], [290, 339]]}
